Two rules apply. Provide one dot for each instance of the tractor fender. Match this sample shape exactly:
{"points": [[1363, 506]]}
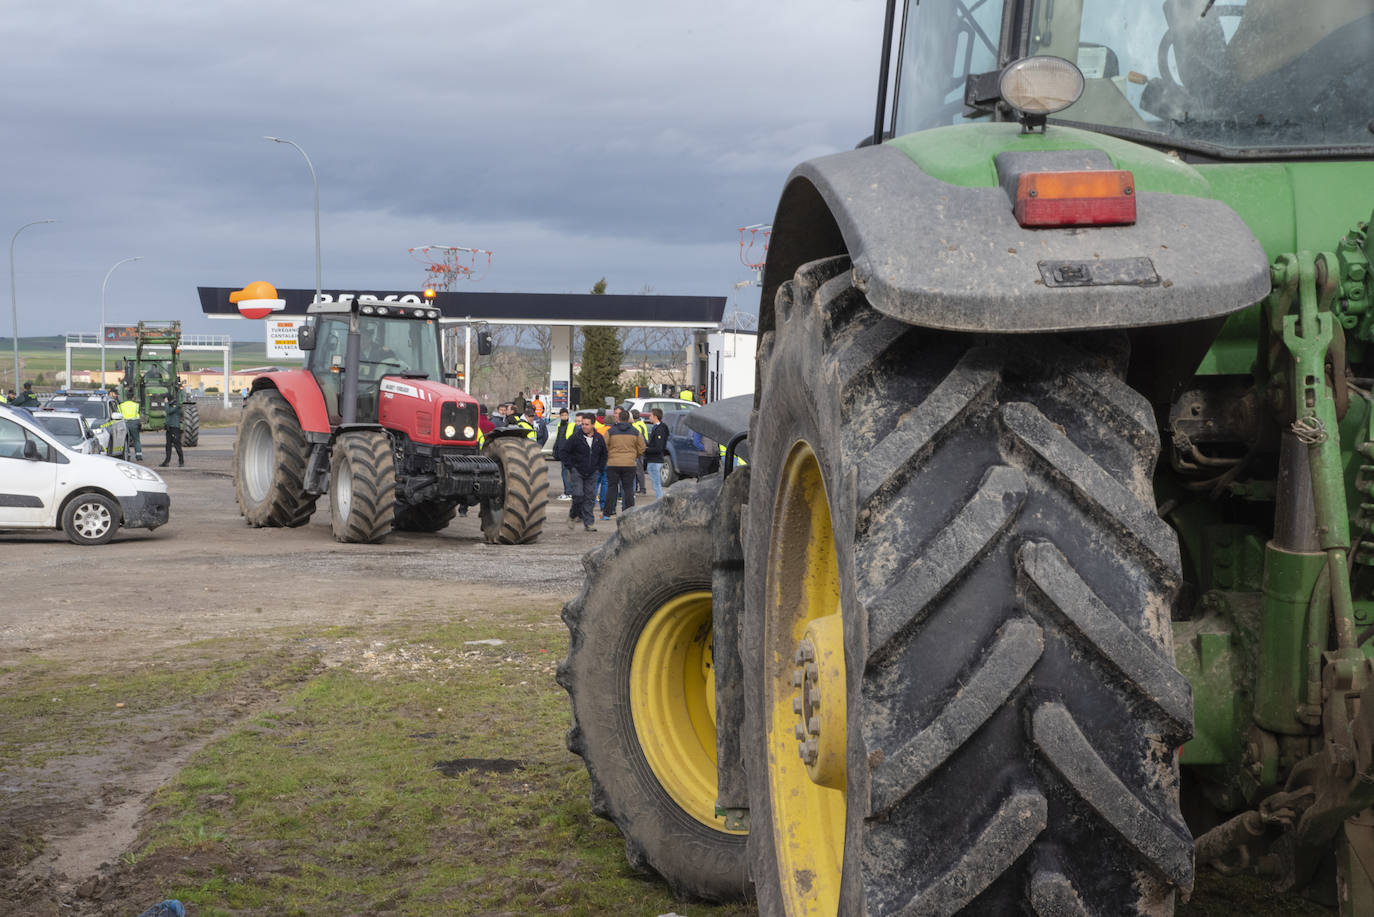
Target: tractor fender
{"points": [[952, 257], [302, 392], [499, 432]]}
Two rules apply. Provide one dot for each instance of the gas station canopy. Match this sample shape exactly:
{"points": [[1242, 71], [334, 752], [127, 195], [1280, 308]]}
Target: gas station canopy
{"points": [[510, 308]]}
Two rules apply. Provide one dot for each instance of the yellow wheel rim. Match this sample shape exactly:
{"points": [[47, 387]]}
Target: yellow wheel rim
{"points": [[805, 681], [673, 704]]}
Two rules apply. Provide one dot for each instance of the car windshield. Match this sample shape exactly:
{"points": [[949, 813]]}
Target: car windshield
{"points": [[66, 430], [93, 411], [1257, 77]]}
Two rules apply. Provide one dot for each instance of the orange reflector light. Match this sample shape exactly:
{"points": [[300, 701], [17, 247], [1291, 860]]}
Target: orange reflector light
{"points": [[1091, 198]]}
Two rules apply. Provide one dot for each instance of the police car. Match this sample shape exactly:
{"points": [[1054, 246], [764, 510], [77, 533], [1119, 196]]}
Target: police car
{"points": [[46, 485], [100, 412], [71, 429]]}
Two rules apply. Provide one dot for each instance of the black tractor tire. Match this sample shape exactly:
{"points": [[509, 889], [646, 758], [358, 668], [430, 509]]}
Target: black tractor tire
{"points": [[665, 619], [270, 456], [425, 517], [362, 487], [190, 424], [517, 517], [90, 519], [957, 535]]}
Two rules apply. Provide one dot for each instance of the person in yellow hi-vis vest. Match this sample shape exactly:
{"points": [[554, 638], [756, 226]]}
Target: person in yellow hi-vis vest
{"points": [[128, 409], [638, 423], [738, 461], [686, 395]]}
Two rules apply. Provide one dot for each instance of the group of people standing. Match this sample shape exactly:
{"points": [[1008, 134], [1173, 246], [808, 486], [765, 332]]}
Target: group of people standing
{"points": [[609, 458]]}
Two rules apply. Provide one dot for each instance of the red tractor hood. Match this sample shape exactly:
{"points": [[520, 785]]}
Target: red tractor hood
{"points": [[414, 407], [422, 390]]}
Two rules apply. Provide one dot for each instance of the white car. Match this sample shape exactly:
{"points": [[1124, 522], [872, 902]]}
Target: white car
{"points": [[46, 485], [666, 405], [70, 429], [100, 412]]}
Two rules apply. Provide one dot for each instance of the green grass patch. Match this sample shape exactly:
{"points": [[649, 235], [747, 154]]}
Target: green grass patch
{"points": [[422, 774], [51, 711]]}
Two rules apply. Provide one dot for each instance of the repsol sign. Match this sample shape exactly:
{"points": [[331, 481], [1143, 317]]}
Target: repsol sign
{"points": [[348, 299]]}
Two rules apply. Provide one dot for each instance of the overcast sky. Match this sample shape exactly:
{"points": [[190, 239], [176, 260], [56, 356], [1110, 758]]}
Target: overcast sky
{"points": [[575, 140]]}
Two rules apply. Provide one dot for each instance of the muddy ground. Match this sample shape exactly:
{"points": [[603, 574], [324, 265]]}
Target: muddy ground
{"points": [[206, 574]]}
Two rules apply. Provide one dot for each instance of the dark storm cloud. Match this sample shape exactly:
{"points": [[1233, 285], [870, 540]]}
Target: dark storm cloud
{"points": [[576, 140]]}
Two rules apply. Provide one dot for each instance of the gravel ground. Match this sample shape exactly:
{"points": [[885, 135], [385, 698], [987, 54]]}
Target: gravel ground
{"points": [[206, 573]]}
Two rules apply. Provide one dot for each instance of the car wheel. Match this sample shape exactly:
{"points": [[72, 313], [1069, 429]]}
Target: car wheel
{"points": [[90, 519], [667, 474]]}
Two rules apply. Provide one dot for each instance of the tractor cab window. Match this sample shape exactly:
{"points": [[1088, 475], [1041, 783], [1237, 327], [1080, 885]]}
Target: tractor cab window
{"points": [[386, 347], [1223, 75], [943, 43], [396, 345]]}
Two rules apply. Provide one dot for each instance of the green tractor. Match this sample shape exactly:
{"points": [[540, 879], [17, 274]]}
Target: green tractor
{"points": [[150, 378], [1048, 580]]}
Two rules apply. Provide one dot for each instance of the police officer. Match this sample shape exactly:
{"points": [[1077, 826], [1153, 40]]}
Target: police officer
{"points": [[643, 428], [173, 431], [128, 409], [26, 399]]}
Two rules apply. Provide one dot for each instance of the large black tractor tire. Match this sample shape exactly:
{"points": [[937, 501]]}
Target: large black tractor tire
{"points": [[362, 487], [517, 517], [640, 679], [425, 517], [959, 680], [190, 424], [270, 455]]}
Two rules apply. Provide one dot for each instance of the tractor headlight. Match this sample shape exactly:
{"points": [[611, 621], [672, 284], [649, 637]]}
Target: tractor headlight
{"points": [[367, 310], [469, 433], [1041, 85], [450, 432]]}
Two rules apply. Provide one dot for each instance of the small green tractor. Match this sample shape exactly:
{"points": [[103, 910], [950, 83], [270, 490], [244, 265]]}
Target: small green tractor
{"points": [[150, 378], [1049, 579]]}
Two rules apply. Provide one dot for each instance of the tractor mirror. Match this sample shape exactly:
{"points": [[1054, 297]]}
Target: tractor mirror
{"points": [[305, 337], [484, 347]]}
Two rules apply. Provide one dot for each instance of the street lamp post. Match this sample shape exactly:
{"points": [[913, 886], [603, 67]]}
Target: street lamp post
{"points": [[102, 315], [315, 180], [14, 303]]}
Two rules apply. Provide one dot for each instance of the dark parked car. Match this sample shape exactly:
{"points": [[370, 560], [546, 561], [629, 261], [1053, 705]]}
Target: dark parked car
{"points": [[685, 458]]}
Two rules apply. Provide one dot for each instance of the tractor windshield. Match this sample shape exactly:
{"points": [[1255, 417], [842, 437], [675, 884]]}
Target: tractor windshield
{"points": [[1256, 78]]}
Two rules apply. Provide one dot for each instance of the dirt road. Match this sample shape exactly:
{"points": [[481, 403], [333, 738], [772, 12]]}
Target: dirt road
{"points": [[207, 574], [204, 575]]}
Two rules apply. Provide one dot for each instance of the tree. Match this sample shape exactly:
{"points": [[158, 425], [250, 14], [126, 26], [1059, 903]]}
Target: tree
{"points": [[602, 354]]}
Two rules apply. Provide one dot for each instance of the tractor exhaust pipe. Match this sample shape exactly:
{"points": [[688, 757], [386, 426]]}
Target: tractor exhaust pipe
{"points": [[352, 357]]}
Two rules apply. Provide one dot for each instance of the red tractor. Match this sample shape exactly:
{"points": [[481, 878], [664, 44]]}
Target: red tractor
{"points": [[369, 421]]}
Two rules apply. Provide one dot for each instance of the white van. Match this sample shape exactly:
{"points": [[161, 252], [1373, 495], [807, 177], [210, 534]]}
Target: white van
{"points": [[45, 485]]}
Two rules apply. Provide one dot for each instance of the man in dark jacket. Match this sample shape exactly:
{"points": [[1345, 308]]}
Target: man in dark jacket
{"points": [[654, 451], [585, 455]]}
